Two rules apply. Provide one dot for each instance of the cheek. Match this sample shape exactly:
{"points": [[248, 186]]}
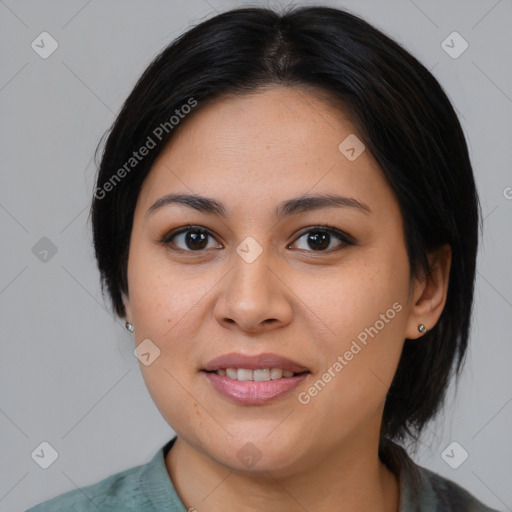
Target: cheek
{"points": [[364, 307], [360, 293], [164, 309], [167, 306], [162, 296]]}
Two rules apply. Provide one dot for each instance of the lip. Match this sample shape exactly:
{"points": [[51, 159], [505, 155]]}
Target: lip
{"points": [[251, 392], [265, 360]]}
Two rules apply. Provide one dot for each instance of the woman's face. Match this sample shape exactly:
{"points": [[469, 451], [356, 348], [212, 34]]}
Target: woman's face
{"points": [[264, 280]]}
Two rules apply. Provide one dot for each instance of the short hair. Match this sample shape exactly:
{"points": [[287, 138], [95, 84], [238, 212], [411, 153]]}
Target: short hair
{"points": [[402, 115]]}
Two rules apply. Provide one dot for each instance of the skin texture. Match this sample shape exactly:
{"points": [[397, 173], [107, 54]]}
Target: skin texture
{"points": [[251, 152]]}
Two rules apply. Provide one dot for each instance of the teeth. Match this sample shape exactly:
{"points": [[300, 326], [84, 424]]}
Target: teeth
{"points": [[244, 374], [232, 373], [276, 373], [259, 375]]}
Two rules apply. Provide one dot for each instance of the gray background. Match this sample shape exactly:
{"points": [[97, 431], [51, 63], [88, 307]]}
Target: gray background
{"points": [[68, 375]]}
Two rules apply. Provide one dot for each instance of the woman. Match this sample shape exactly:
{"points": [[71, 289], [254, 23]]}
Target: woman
{"points": [[286, 216]]}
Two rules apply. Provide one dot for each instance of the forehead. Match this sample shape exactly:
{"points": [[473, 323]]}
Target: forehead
{"points": [[265, 146], [287, 121]]}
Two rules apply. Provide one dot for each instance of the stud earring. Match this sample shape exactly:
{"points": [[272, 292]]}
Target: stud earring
{"points": [[129, 326], [422, 328]]}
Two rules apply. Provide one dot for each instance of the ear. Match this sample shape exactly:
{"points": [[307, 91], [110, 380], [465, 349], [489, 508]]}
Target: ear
{"points": [[430, 292]]}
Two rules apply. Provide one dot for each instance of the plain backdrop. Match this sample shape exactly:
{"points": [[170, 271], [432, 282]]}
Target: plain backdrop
{"points": [[68, 374]]}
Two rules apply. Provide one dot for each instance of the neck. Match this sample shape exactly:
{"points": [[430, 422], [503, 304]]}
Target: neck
{"points": [[351, 479]]}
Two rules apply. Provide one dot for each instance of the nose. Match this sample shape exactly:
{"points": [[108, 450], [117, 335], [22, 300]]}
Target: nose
{"points": [[254, 297]]}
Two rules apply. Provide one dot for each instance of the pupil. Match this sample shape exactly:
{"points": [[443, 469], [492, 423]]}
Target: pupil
{"points": [[319, 236], [192, 238]]}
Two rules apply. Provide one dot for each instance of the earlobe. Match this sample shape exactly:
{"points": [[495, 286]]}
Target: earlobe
{"points": [[430, 293], [128, 314], [127, 308]]}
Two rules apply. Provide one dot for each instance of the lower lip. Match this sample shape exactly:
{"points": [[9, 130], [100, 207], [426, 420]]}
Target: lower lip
{"points": [[251, 392]]}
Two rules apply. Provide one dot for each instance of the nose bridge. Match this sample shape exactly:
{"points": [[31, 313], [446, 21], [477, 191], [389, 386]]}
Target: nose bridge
{"points": [[252, 280], [252, 293]]}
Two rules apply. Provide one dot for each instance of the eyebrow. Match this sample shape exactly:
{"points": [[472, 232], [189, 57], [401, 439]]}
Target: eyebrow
{"points": [[285, 209]]}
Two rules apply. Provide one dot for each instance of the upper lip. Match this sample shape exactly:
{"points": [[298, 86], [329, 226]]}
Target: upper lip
{"points": [[266, 360]]}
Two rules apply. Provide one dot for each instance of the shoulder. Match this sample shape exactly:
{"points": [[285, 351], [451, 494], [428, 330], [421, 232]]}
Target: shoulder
{"points": [[446, 495], [118, 492], [423, 490]]}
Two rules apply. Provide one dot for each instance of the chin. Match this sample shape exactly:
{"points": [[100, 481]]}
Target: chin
{"points": [[256, 453]]}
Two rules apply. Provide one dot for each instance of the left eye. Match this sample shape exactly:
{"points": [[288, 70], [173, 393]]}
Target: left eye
{"points": [[320, 238]]}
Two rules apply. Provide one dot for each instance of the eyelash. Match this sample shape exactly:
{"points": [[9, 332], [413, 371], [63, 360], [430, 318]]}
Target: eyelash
{"points": [[345, 238]]}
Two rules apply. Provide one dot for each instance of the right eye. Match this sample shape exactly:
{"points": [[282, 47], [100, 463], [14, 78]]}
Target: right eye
{"points": [[192, 239]]}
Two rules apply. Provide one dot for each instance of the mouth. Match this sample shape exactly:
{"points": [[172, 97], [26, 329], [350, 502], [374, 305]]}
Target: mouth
{"points": [[258, 375], [254, 380]]}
